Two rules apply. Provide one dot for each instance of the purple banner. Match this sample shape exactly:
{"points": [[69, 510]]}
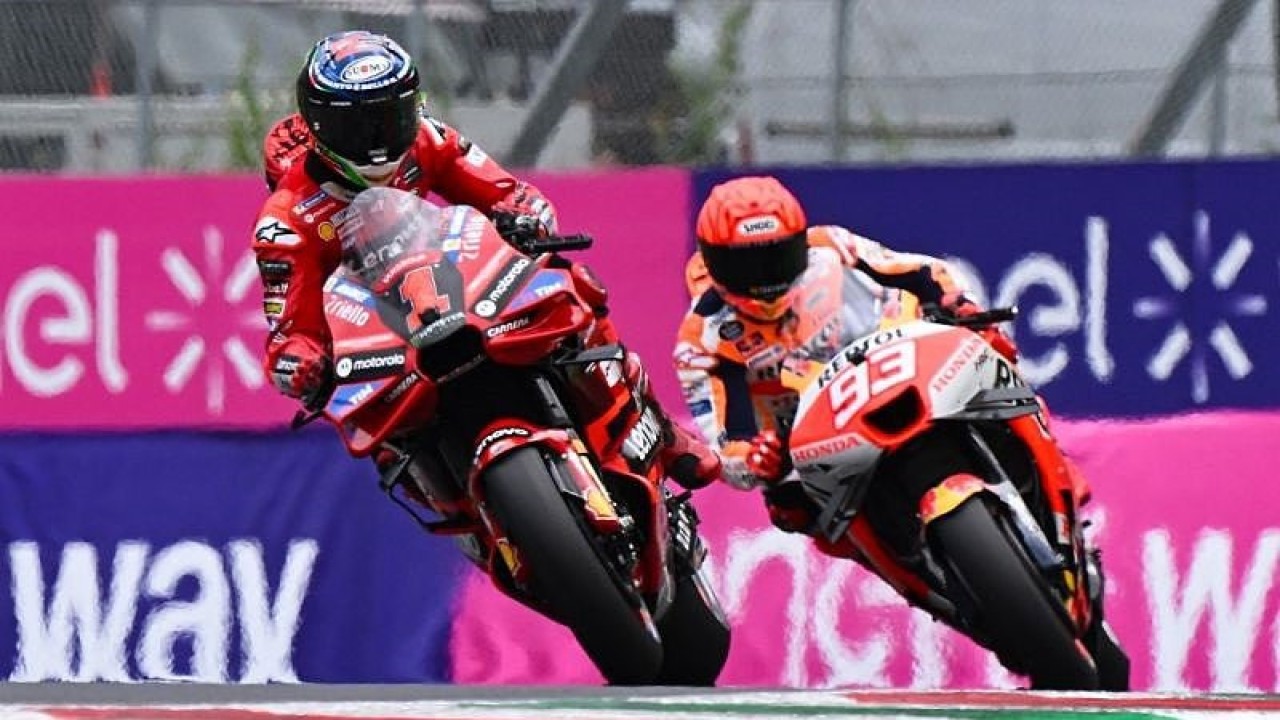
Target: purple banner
{"points": [[136, 302], [214, 557], [1144, 288], [1192, 556]]}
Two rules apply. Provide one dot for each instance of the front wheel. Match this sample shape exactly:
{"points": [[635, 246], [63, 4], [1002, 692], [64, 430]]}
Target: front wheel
{"points": [[566, 571], [1011, 600]]}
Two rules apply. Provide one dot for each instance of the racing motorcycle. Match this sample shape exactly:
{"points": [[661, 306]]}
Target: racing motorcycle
{"points": [[928, 455], [460, 364]]}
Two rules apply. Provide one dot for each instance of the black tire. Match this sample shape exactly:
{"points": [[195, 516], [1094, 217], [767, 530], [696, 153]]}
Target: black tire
{"points": [[1111, 659], [566, 571], [1028, 634], [695, 639]]}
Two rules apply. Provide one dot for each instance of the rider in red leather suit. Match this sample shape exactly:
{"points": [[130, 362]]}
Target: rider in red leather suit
{"points": [[360, 125]]}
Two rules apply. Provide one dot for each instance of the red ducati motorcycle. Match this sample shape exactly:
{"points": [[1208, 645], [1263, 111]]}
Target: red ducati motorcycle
{"points": [[461, 361], [930, 462]]}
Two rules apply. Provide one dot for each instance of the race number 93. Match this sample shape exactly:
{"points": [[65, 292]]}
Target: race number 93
{"points": [[883, 369]]}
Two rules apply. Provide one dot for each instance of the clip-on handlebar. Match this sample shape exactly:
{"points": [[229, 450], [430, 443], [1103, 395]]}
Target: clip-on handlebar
{"points": [[523, 232], [986, 318]]}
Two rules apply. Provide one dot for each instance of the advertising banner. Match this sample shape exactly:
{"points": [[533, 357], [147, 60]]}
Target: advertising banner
{"points": [[214, 557], [1191, 555], [136, 303], [1144, 288]]}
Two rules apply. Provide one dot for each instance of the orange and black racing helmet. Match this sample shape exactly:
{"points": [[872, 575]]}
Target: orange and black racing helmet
{"points": [[753, 236]]}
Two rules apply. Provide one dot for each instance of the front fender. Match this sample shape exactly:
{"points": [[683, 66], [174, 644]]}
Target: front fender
{"points": [[948, 495], [957, 489], [581, 479]]}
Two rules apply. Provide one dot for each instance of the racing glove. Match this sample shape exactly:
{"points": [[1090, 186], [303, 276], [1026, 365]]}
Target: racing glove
{"points": [[304, 371], [524, 214], [765, 463], [960, 306], [765, 458]]}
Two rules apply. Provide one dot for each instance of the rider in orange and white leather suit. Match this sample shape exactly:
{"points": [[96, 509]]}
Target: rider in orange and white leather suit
{"points": [[767, 286], [359, 125]]}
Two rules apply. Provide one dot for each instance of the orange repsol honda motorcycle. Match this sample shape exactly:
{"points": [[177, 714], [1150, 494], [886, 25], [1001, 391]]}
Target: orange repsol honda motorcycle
{"points": [[929, 461]]}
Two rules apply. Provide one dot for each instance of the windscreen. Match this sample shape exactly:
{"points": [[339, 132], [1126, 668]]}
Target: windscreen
{"points": [[385, 227]]}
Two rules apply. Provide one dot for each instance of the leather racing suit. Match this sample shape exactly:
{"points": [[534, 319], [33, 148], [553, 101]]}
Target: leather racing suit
{"points": [[730, 365], [295, 239], [295, 242]]}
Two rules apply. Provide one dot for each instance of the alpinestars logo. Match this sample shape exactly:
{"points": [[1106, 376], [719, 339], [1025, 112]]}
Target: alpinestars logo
{"points": [[219, 350], [1185, 340]]}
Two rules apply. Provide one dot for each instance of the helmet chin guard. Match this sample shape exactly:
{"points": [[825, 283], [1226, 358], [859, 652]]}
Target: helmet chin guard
{"points": [[358, 93]]}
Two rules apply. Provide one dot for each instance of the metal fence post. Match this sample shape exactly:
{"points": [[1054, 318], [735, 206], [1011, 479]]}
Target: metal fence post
{"points": [[840, 79], [146, 71], [1218, 107]]}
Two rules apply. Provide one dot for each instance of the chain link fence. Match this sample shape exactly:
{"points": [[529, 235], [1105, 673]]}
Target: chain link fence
{"points": [[191, 85]]}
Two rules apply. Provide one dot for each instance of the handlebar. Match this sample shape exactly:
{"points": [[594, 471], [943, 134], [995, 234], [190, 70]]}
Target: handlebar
{"points": [[524, 232], [985, 318], [557, 243]]}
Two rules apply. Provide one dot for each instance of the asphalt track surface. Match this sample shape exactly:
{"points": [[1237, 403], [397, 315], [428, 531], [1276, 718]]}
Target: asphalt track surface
{"points": [[160, 701]]}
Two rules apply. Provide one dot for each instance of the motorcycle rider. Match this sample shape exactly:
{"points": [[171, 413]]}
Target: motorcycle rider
{"points": [[358, 101], [757, 257]]}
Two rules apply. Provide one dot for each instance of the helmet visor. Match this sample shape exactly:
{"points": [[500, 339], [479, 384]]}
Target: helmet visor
{"points": [[763, 271], [367, 133]]}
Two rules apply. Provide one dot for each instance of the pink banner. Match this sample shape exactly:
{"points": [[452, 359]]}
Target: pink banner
{"points": [[1190, 547], [135, 302]]}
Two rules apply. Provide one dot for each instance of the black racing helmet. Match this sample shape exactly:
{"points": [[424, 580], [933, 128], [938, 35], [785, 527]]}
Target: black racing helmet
{"points": [[358, 92]]}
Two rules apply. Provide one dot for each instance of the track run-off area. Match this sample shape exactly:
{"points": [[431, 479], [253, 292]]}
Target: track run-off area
{"points": [[148, 701]]}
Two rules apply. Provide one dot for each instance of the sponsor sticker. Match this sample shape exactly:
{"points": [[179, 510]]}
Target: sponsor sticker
{"points": [[503, 433], [731, 330], [310, 202], [759, 225], [370, 364], [500, 292], [365, 69], [271, 231], [508, 326]]}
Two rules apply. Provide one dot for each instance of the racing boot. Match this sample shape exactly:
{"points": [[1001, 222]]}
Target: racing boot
{"points": [[686, 459]]}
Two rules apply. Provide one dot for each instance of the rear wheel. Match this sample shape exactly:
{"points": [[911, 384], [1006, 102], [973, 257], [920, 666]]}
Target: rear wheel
{"points": [[1011, 600], [568, 573], [695, 637]]}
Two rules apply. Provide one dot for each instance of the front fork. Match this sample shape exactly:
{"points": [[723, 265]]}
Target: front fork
{"points": [[1064, 559]]}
